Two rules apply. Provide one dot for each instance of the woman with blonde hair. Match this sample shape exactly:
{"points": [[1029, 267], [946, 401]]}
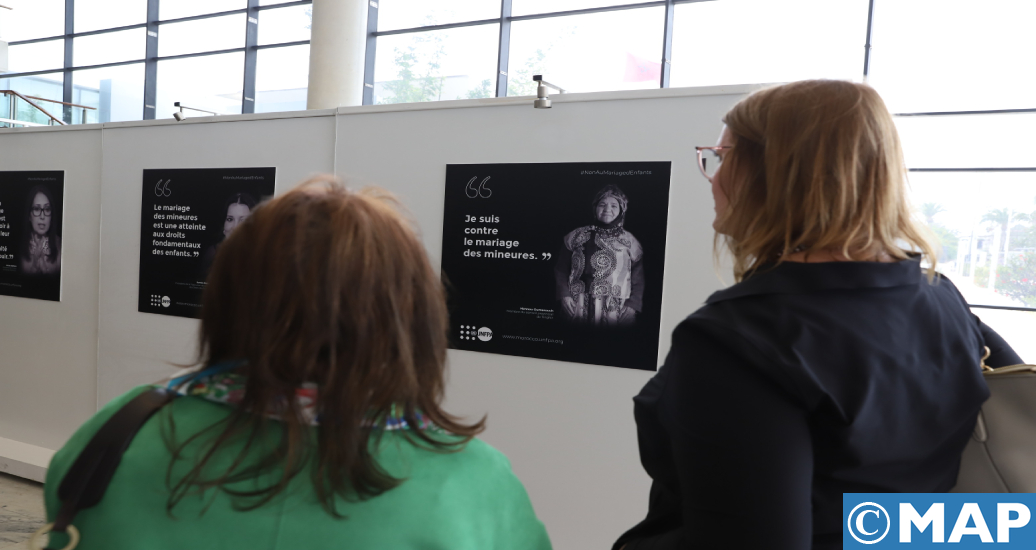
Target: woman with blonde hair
{"points": [[838, 362], [316, 418]]}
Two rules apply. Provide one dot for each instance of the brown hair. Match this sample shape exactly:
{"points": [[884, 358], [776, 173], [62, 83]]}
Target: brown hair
{"points": [[816, 165], [333, 287]]}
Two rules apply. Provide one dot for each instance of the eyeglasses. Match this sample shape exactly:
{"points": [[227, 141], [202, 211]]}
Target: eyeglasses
{"points": [[37, 210], [709, 159]]}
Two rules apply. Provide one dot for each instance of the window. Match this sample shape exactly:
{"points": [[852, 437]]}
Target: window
{"points": [[615, 50], [211, 82], [958, 56], [38, 88], [112, 47], [93, 15], [402, 14], [526, 7], [776, 41], [175, 9], [285, 25], [431, 66], [31, 19], [107, 72], [282, 79], [117, 93], [202, 35], [37, 56]]}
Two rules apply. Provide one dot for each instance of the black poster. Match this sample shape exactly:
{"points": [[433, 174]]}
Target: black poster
{"points": [[557, 261], [184, 216], [30, 234]]}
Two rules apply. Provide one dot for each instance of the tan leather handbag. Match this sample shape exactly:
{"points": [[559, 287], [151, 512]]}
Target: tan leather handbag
{"points": [[1001, 455]]}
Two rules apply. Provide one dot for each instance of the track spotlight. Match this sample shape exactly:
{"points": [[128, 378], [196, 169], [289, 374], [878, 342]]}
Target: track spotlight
{"points": [[542, 97], [179, 115]]}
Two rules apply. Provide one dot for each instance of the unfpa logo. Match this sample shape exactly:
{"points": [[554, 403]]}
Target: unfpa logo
{"points": [[469, 332], [926, 519]]}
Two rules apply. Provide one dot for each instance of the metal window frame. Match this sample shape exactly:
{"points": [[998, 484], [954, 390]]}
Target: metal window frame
{"points": [[504, 43], [151, 58]]}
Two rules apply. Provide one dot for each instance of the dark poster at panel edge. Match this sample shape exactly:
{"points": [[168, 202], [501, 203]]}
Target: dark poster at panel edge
{"points": [[31, 248], [561, 261], [185, 214]]}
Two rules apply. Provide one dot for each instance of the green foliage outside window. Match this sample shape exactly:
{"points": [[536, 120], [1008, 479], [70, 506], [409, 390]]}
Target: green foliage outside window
{"points": [[1017, 279]]}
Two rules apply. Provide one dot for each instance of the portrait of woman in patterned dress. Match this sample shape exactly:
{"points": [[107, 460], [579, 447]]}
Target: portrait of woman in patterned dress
{"points": [[599, 276]]}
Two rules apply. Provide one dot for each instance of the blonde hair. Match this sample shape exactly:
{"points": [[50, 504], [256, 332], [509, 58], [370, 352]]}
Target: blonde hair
{"points": [[816, 165]]}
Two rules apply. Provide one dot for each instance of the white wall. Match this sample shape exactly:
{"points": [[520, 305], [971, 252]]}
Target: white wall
{"points": [[568, 428], [48, 350]]}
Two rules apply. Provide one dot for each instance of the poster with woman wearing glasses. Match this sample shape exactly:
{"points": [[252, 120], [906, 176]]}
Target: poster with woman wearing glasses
{"points": [[560, 261], [30, 234]]}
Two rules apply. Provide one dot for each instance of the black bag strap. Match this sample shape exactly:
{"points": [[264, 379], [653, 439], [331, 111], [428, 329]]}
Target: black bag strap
{"points": [[89, 476]]}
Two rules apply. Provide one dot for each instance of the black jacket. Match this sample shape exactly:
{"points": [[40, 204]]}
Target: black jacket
{"points": [[798, 384]]}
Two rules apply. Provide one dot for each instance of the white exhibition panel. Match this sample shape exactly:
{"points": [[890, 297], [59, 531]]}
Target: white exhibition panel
{"points": [[567, 428], [139, 348], [49, 360]]}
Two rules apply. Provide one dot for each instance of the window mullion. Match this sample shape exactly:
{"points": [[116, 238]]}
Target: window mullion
{"points": [[66, 91], [503, 48], [151, 61], [369, 53], [251, 55], [667, 44]]}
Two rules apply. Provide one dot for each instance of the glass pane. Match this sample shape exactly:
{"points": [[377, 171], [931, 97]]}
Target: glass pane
{"points": [[30, 19], [203, 35], [431, 66], [957, 55], [110, 47], [1017, 327], [94, 15], [969, 141], [282, 79], [617, 50], [285, 25], [970, 213], [775, 41], [273, 2], [527, 7], [404, 14], [211, 82], [38, 56], [47, 86], [175, 9], [116, 92]]}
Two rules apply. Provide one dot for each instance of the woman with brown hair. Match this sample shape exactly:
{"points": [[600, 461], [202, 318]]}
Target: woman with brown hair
{"points": [[837, 363], [316, 420]]}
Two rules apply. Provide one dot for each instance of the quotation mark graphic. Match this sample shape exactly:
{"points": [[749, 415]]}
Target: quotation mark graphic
{"points": [[162, 188], [481, 191]]}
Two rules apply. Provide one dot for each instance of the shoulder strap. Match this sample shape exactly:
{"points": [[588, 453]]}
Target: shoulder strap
{"points": [[89, 476]]}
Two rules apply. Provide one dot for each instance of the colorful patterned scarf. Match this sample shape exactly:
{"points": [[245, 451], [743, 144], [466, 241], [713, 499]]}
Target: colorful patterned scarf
{"points": [[229, 389]]}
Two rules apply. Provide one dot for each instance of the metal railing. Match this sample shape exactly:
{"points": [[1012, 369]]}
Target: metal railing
{"points": [[9, 105]]}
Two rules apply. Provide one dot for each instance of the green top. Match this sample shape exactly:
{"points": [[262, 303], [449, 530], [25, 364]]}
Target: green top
{"points": [[464, 500]]}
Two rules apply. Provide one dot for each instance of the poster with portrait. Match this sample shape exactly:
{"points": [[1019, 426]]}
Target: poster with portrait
{"points": [[559, 261], [185, 215], [30, 234]]}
